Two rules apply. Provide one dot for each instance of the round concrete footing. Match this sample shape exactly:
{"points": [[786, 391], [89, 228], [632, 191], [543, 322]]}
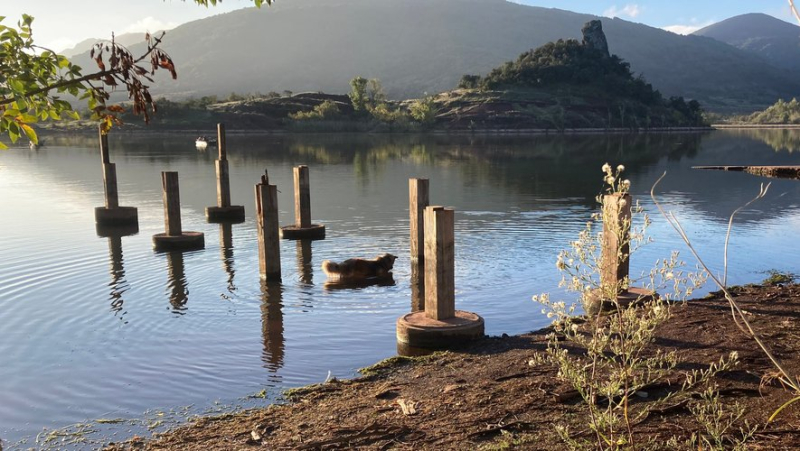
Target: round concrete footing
{"points": [[312, 232], [116, 215], [416, 330], [186, 241], [230, 214], [633, 296]]}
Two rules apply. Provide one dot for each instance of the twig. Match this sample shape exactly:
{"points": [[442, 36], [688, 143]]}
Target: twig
{"points": [[673, 221]]}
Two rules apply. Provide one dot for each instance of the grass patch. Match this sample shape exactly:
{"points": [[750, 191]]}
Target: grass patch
{"points": [[397, 361], [777, 278]]}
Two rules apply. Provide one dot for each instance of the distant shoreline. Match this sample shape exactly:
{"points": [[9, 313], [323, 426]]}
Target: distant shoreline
{"points": [[434, 131], [755, 126]]}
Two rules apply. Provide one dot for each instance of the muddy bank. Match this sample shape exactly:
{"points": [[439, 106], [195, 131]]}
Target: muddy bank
{"points": [[490, 397]]}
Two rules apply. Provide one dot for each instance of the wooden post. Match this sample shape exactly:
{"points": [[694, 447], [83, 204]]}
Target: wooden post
{"points": [[104, 157], [172, 203], [417, 286], [110, 185], [439, 263], [418, 199], [302, 197], [223, 174], [221, 147], [223, 184], [269, 253], [615, 263]]}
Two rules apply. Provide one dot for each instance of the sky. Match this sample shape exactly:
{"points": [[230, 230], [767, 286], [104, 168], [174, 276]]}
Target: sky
{"points": [[61, 24]]}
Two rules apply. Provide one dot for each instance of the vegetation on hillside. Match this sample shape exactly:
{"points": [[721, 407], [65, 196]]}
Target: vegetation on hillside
{"points": [[567, 84], [781, 112]]}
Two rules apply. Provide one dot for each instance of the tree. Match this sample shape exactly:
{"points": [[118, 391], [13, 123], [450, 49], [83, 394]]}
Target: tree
{"points": [[358, 93], [33, 79]]}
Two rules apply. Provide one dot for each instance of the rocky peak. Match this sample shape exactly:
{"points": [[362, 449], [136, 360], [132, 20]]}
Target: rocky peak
{"points": [[593, 36]]}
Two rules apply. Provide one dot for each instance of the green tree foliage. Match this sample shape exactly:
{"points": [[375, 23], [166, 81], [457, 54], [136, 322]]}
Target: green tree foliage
{"points": [[33, 79], [781, 112], [358, 93], [424, 110], [326, 110], [469, 82]]}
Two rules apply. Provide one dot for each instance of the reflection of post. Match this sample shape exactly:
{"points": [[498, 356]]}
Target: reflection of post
{"points": [[178, 292], [117, 272], [269, 251], [272, 324], [616, 237], [304, 266], [418, 199], [226, 251], [417, 287], [440, 302]]}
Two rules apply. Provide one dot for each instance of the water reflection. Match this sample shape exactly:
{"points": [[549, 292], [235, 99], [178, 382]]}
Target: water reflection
{"points": [[118, 284], [226, 252], [117, 269], [385, 281], [272, 325], [304, 265], [176, 282]]}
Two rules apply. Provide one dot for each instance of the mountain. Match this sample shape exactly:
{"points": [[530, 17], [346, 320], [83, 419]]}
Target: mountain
{"points": [[775, 40], [418, 46], [126, 39]]}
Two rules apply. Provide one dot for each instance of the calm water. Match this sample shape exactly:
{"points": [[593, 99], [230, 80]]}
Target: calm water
{"points": [[94, 327]]}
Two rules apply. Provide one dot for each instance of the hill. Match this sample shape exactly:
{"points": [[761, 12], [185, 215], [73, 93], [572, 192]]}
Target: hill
{"points": [[126, 39], [418, 46], [776, 41]]}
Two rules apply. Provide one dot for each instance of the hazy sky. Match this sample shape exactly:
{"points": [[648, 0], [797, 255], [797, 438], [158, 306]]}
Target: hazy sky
{"points": [[60, 24]]}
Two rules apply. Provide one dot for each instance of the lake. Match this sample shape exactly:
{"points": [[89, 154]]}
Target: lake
{"points": [[105, 328]]}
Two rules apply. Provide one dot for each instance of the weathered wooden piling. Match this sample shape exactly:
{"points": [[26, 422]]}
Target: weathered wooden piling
{"points": [[174, 237], [417, 287], [418, 200], [440, 325], [224, 211], [615, 264], [112, 214], [269, 249], [302, 228], [614, 291]]}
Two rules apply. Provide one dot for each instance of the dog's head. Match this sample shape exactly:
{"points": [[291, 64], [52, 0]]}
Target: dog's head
{"points": [[387, 260]]}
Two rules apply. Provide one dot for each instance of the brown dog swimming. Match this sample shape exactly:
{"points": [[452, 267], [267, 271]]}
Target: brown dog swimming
{"points": [[359, 269]]}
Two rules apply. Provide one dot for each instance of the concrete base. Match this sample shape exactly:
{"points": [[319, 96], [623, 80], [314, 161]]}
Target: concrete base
{"points": [[186, 241], [116, 215], [633, 296], [312, 232], [233, 214], [415, 330], [116, 230]]}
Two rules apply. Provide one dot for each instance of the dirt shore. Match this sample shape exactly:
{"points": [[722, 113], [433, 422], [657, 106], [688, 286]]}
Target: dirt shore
{"points": [[489, 396]]}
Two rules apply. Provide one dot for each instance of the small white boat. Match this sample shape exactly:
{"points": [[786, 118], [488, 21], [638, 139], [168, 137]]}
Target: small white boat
{"points": [[203, 142]]}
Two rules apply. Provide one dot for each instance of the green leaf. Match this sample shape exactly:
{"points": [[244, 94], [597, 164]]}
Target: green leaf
{"points": [[3, 146], [30, 133]]}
